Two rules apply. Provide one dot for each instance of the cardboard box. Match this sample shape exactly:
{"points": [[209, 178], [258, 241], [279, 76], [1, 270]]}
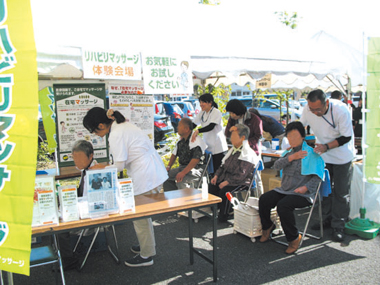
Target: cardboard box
{"points": [[266, 174], [274, 182]]}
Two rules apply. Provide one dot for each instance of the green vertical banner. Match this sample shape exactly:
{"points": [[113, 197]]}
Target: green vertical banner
{"points": [[372, 166], [72, 101], [18, 133], [46, 99]]}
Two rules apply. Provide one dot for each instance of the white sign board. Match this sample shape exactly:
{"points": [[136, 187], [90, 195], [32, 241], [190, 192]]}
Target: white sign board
{"points": [[167, 74], [101, 64]]}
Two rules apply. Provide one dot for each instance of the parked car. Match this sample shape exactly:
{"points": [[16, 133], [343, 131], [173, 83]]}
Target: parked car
{"points": [[272, 108], [196, 105], [162, 127], [172, 110], [247, 101], [187, 109], [302, 102]]}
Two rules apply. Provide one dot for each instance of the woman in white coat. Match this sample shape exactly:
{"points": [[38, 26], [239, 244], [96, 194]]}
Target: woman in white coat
{"points": [[131, 149], [210, 118]]}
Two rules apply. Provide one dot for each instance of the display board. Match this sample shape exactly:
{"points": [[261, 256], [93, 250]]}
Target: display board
{"points": [[137, 109], [167, 74], [72, 102]]}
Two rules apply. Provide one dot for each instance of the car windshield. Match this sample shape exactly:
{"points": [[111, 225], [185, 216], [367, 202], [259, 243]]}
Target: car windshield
{"points": [[177, 109]]}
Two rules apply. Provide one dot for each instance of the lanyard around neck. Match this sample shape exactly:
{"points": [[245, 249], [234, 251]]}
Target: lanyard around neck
{"points": [[332, 117], [207, 116]]}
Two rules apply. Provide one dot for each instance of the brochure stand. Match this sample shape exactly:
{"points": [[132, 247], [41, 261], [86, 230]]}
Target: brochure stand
{"points": [[68, 201], [126, 197]]}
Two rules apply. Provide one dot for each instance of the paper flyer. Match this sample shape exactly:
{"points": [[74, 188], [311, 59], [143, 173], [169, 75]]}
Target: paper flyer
{"points": [[45, 200], [68, 200], [126, 197]]}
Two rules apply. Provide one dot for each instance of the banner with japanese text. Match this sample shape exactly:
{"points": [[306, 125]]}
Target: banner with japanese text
{"points": [[372, 139], [18, 134], [72, 101], [167, 74], [130, 88], [47, 106], [102, 64]]}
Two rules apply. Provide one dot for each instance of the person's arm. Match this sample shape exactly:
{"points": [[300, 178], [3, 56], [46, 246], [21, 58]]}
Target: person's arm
{"points": [[281, 163], [312, 184], [171, 162], [206, 129], [227, 131]]}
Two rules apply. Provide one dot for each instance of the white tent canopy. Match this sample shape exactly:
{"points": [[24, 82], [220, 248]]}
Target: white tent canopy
{"points": [[326, 56]]}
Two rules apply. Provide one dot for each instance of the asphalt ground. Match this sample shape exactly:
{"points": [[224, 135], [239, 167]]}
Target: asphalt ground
{"points": [[240, 261]]}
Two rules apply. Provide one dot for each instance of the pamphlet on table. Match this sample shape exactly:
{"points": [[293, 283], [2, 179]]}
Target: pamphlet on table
{"points": [[126, 197], [45, 210], [68, 201]]}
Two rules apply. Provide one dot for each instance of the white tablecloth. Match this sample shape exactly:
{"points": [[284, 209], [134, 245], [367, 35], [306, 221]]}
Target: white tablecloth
{"points": [[371, 196]]}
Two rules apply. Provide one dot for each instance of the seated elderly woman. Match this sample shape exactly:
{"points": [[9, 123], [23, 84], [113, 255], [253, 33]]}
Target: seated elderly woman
{"points": [[302, 172], [236, 169]]}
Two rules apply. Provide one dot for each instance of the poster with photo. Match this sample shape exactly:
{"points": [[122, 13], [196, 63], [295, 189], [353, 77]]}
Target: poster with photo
{"points": [[102, 191], [72, 101], [137, 109], [126, 196]]}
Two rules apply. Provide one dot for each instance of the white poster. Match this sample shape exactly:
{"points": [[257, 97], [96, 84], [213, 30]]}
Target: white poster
{"points": [[102, 189], [45, 202], [137, 109], [109, 64], [68, 201], [126, 196], [167, 74]]}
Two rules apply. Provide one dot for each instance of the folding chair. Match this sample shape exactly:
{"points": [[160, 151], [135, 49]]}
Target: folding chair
{"points": [[114, 255], [45, 255], [304, 233], [252, 186], [207, 169]]}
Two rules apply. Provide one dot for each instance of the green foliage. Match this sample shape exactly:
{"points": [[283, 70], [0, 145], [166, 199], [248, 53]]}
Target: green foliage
{"points": [[209, 2], [288, 19], [43, 158]]}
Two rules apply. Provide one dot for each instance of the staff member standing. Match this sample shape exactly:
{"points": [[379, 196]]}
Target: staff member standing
{"points": [[330, 121], [210, 118], [239, 115], [131, 149]]}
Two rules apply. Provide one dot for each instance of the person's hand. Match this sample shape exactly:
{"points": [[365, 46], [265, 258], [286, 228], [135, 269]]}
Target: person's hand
{"points": [[98, 166], [194, 136], [179, 177], [168, 168], [301, 190], [223, 184], [110, 114], [320, 148], [213, 180], [298, 155], [233, 128]]}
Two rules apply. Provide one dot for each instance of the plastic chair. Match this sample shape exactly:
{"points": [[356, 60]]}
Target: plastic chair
{"points": [[318, 197], [45, 255]]}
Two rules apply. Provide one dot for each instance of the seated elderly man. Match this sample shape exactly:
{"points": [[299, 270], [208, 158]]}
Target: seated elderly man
{"points": [[236, 169], [190, 156], [302, 171], [83, 156]]}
